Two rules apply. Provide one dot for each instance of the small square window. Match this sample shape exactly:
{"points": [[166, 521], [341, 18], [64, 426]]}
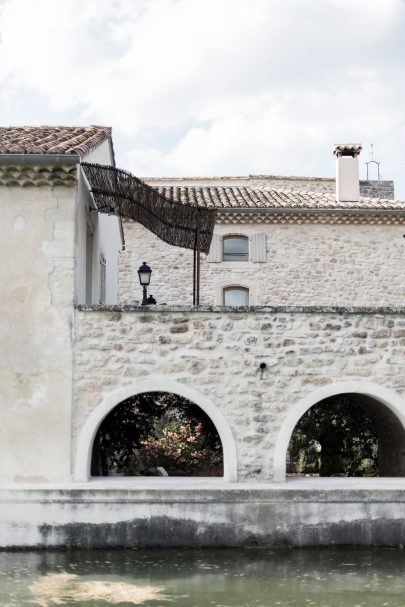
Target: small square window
{"points": [[235, 248]]}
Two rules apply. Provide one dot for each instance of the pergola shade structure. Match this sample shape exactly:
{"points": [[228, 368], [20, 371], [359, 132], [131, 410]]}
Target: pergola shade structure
{"points": [[120, 193]]}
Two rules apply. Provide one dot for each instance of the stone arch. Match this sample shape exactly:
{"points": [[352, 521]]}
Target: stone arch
{"points": [[393, 401], [155, 384]]}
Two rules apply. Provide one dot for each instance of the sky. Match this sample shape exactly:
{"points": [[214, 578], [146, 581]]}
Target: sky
{"points": [[213, 87]]}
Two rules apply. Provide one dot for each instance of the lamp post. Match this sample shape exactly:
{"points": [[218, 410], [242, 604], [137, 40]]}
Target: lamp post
{"points": [[144, 274]]}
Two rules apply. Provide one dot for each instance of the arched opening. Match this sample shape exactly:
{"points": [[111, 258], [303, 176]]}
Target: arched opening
{"points": [[347, 434], [157, 434], [156, 383]]}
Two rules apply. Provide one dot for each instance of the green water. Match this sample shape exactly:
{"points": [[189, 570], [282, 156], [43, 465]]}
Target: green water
{"points": [[204, 578]]}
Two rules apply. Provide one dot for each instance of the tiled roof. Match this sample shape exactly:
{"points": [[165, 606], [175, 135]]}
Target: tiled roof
{"points": [[268, 198], [68, 140]]}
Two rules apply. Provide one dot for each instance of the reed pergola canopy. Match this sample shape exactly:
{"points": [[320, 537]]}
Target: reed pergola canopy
{"points": [[120, 193]]}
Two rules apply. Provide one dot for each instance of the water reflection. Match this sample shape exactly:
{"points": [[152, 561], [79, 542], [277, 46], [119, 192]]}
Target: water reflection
{"points": [[56, 588], [202, 578]]}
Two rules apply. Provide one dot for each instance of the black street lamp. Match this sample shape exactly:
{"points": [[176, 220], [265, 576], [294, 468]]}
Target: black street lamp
{"points": [[144, 274]]}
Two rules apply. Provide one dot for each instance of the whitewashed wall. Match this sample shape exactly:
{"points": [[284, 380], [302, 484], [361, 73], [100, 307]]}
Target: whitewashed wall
{"points": [[36, 332], [42, 276]]}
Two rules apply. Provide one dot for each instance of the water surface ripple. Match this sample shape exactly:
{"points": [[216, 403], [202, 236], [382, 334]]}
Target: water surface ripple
{"points": [[250, 577]]}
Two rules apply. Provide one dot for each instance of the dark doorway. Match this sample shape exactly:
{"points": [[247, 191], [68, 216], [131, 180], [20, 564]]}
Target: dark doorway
{"points": [[157, 434], [347, 435]]}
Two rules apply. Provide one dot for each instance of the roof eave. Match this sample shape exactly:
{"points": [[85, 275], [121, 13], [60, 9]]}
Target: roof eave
{"points": [[39, 159], [329, 210]]}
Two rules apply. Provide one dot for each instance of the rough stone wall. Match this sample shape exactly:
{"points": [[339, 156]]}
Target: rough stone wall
{"points": [[295, 183], [377, 189], [36, 284], [218, 353], [308, 264]]}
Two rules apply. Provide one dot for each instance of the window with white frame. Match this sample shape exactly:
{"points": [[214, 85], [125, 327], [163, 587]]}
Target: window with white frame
{"points": [[236, 296], [235, 248], [103, 276]]}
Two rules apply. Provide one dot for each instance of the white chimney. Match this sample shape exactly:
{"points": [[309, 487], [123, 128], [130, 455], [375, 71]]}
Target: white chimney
{"points": [[347, 172]]}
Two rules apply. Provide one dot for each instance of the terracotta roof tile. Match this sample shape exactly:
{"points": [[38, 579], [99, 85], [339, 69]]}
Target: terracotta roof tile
{"points": [[268, 198], [340, 149], [68, 140]]}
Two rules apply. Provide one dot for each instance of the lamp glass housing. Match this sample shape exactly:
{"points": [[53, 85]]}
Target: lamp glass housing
{"points": [[144, 274]]}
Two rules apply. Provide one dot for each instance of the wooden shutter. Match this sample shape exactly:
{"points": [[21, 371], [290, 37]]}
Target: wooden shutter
{"points": [[258, 247], [215, 254]]}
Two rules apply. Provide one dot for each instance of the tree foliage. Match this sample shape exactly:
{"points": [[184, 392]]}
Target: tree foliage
{"points": [[156, 429], [335, 437]]}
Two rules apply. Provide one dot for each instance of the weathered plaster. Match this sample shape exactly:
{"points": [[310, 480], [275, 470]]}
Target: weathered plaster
{"points": [[210, 513], [37, 291]]}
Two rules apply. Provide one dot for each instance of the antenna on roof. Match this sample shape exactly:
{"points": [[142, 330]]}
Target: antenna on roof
{"points": [[372, 161]]}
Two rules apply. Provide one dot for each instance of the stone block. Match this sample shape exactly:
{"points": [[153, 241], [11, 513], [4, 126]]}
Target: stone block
{"points": [[179, 328]]}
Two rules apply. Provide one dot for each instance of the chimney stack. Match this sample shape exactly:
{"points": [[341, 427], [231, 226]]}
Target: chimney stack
{"points": [[347, 172]]}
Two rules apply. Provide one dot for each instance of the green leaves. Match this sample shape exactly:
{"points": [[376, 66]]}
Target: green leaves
{"points": [[157, 429], [335, 437]]}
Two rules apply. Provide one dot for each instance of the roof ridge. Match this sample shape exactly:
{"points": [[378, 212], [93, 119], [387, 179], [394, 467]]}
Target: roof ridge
{"points": [[248, 197]]}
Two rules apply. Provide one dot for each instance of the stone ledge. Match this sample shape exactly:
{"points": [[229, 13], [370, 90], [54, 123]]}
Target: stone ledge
{"points": [[92, 518], [192, 491], [244, 309]]}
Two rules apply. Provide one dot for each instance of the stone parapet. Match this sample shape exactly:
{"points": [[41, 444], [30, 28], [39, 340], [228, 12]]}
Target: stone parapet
{"points": [[154, 309]]}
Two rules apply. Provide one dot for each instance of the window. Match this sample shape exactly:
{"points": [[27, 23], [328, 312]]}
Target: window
{"points": [[235, 248], [103, 267], [236, 296], [89, 265]]}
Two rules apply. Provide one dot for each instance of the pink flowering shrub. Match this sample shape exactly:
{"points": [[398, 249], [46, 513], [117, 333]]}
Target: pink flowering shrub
{"points": [[181, 445], [157, 429]]}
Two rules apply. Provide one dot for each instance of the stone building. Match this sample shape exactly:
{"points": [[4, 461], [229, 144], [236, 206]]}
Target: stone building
{"points": [[279, 245], [301, 299]]}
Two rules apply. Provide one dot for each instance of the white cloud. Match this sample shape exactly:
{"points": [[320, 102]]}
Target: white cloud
{"points": [[214, 86]]}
